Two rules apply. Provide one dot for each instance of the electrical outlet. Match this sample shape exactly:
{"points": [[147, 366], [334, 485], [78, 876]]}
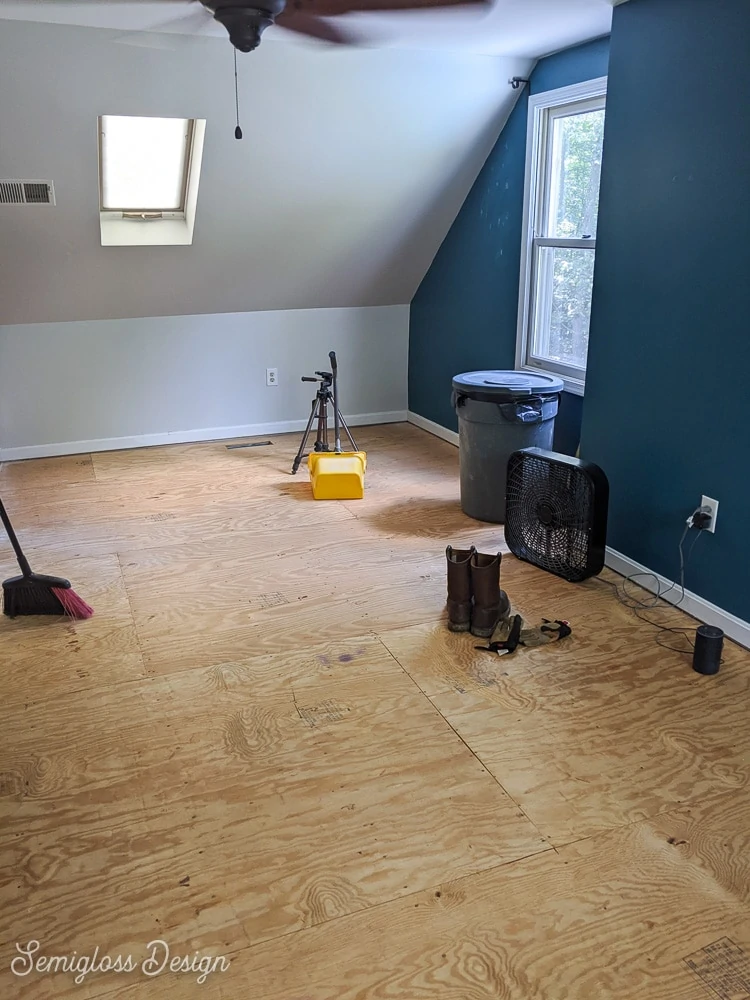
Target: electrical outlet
{"points": [[714, 507], [272, 376]]}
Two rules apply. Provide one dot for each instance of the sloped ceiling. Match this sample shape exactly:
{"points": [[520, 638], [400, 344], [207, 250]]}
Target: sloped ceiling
{"points": [[530, 28], [353, 166]]}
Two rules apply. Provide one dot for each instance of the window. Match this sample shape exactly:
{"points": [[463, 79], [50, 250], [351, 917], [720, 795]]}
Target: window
{"points": [[148, 179], [145, 164], [564, 156]]}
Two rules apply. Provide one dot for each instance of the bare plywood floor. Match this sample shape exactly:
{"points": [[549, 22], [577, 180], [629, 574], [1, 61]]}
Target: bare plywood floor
{"points": [[266, 746]]}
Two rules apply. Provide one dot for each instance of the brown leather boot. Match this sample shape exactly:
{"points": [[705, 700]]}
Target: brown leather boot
{"points": [[491, 604], [459, 588]]}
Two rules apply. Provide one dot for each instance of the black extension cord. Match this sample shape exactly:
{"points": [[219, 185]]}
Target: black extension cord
{"points": [[700, 519]]}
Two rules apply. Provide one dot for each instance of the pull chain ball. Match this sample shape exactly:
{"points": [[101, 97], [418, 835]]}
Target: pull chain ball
{"points": [[238, 130]]}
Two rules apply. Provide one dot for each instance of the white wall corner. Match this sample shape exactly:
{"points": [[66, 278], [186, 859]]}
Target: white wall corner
{"points": [[432, 428]]}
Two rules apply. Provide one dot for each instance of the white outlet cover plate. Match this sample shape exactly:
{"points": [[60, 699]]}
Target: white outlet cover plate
{"points": [[714, 505]]}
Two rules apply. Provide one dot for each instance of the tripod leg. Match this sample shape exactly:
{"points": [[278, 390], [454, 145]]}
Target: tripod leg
{"points": [[301, 452], [348, 432], [322, 443]]}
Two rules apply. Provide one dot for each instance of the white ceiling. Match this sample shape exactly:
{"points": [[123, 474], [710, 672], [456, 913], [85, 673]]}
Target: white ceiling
{"points": [[520, 28], [353, 167]]}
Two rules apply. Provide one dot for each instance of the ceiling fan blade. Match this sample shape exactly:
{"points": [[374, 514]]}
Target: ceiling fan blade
{"points": [[162, 35], [92, 3], [314, 27], [334, 8], [366, 5]]}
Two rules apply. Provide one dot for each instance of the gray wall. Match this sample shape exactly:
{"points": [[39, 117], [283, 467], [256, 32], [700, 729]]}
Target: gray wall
{"points": [[89, 386], [353, 166]]}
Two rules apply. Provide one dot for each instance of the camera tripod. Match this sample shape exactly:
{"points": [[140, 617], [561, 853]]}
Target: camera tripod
{"points": [[319, 412]]}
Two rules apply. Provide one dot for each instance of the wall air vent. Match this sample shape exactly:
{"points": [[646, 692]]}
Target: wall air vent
{"points": [[27, 193]]}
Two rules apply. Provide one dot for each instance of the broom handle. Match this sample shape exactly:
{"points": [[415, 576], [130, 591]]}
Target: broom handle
{"points": [[334, 369], [22, 560]]}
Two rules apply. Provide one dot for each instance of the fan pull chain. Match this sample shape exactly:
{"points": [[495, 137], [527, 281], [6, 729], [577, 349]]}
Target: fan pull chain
{"points": [[238, 130]]}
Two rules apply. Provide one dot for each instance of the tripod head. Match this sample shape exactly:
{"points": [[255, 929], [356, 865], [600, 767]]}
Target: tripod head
{"points": [[325, 377]]}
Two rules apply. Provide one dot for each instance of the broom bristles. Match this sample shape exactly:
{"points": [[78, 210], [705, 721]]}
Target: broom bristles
{"points": [[73, 605], [37, 594]]}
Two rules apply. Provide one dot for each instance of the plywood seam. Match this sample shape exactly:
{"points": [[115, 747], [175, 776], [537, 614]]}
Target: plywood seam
{"points": [[457, 881], [468, 747], [139, 647]]}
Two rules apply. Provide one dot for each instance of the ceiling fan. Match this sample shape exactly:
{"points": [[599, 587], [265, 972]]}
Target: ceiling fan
{"points": [[246, 20]]}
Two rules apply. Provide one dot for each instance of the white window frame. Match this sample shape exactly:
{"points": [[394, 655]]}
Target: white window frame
{"points": [[543, 109], [156, 228]]}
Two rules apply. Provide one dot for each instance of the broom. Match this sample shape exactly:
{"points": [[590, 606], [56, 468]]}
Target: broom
{"points": [[35, 594]]}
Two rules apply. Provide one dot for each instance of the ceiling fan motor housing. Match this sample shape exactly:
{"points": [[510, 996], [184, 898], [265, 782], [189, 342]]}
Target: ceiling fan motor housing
{"points": [[245, 23]]}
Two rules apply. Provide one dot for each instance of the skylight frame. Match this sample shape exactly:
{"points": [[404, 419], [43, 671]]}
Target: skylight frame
{"points": [[149, 214]]}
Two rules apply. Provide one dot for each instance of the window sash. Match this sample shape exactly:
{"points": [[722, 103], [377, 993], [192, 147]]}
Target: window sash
{"points": [[564, 244], [548, 166], [170, 212], [541, 303]]}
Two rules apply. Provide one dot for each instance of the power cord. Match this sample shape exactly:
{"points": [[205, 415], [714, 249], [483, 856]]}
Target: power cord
{"points": [[699, 519]]}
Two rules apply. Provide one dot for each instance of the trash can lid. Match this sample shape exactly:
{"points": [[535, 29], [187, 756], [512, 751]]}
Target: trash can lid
{"points": [[496, 385]]}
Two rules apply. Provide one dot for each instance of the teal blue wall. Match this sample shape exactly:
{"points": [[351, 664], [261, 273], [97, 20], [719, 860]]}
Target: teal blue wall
{"points": [[464, 315], [668, 392]]}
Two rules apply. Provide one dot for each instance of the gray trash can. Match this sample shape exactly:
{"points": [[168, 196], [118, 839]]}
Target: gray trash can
{"points": [[499, 413]]}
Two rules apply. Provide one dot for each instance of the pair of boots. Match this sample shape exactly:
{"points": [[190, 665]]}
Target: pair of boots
{"points": [[475, 601]]}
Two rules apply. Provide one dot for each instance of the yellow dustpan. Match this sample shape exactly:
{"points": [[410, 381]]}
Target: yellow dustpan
{"points": [[338, 475]]}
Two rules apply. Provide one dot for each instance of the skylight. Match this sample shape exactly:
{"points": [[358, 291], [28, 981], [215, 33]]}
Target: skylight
{"points": [[149, 172], [145, 163]]}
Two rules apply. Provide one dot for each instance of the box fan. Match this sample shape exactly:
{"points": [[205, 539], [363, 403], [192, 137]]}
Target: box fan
{"points": [[556, 513]]}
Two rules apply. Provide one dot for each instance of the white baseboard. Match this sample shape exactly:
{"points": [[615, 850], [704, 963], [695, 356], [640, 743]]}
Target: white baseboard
{"points": [[733, 627], [432, 428], [184, 437]]}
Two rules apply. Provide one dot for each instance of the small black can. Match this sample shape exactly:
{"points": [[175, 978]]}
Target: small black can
{"points": [[709, 643]]}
